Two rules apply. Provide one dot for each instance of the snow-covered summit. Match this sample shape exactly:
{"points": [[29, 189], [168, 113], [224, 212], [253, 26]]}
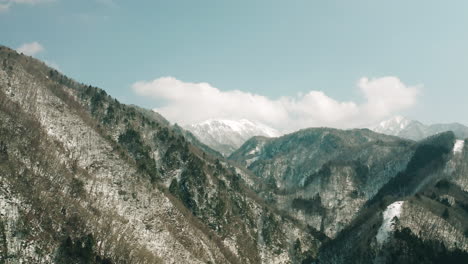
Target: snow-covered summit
{"points": [[415, 130], [393, 126], [226, 135]]}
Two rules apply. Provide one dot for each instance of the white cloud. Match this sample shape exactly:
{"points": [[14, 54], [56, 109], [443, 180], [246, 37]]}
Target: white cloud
{"points": [[34, 48], [5, 5], [31, 49], [187, 103], [387, 95]]}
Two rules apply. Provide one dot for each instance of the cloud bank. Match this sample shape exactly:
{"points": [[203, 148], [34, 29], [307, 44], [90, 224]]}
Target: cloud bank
{"points": [[187, 103], [33, 49], [30, 49]]}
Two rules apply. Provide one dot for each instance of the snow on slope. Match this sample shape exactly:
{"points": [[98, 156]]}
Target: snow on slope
{"points": [[405, 128], [226, 135], [392, 211], [392, 126], [458, 147]]}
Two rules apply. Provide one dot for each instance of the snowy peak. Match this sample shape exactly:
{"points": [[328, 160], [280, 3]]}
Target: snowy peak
{"points": [[242, 126], [226, 135], [411, 129], [393, 126]]}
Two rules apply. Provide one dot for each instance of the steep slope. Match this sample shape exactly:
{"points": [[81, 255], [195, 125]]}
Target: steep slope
{"points": [[378, 199], [226, 136], [370, 198], [411, 129], [323, 176], [194, 141], [86, 179], [421, 219]]}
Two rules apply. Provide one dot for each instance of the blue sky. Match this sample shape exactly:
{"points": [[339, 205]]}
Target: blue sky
{"points": [[272, 49]]}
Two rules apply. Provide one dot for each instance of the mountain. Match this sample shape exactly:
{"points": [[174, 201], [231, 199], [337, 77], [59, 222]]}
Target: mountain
{"points": [[194, 141], [411, 129], [226, 136], [323, 176], [87, 179], [370, 198], [393, 126], [420, 216]]}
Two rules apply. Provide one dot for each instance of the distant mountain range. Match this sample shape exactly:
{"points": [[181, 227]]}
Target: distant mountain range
{"points": [[226, 136], [87, 179], [410, 129]]}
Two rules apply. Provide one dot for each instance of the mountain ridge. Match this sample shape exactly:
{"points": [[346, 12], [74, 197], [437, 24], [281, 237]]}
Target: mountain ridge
{"points": [[91, 180], [415, 130], [87, 179], [226, 135], [344, 189]]}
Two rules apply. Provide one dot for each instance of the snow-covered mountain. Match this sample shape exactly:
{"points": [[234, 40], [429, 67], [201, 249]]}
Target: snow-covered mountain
{"points": [[79, 183], [392, 126], [226, 135], [87, 179], [415, 130]]}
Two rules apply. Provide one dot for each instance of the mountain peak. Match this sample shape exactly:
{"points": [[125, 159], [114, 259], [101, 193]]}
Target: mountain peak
{"points": [[393, 125], [406, 128], [226, 135]]}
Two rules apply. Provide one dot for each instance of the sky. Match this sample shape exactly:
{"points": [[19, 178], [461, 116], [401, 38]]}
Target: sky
{"points": [[288, 64]]}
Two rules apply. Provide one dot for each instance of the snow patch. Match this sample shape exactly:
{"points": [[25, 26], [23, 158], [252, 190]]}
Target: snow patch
{"points": [[250, 161], [388, 224], [254, 151], [458, 147]]}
